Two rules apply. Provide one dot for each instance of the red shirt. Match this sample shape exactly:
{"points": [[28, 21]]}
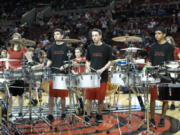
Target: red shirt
{"points": [[176, 52], [80, 69], [16, 55]]}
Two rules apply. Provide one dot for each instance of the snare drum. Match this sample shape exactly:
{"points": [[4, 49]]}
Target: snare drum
{"points": [[62, 81], [117, 78], [88, 80]]}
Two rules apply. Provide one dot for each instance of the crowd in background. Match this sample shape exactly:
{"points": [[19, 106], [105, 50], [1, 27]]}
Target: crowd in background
{"points": [[122, 18]]}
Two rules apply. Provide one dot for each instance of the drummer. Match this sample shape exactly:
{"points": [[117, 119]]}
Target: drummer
{"points": [[99, 58], [16, 51], [79, 68], [57, 55], [160, 52]]}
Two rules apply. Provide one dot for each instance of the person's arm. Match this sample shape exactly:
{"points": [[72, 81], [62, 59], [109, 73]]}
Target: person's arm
{"points": [[49, 62], [28, 56], [87, 66], [179, 56], [109, 63], [7, 62]]}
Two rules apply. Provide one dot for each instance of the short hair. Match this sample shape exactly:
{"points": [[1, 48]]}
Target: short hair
{"points": [[16, 34], [59, 30], [97, 30], [80, 49], [160, 28]]}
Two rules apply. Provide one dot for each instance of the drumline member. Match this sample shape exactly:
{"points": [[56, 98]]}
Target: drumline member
{"points": [[79, 68], [57, 54], [99, 58], [171, 41], [160, 52], [16, 51], [78, 62]]}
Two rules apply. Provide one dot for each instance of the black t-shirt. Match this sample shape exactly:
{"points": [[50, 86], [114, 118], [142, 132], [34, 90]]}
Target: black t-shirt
{"points": [[159, 54], [57, 54], [99, 57]]}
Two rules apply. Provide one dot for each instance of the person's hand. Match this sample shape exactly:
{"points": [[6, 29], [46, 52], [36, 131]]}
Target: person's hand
{"points": [[100, 71], [61, 68], [148, 63], [88, 70], [75, 64]]}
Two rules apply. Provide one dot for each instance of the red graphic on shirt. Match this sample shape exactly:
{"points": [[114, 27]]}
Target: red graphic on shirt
{"points": [[58, 52], [97, 54], [157, 53]]}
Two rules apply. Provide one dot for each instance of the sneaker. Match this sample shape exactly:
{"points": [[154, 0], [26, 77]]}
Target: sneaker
{"points": [[87, 118], [20, 114], [152, 122], [50, 117], [172, 107], [161, 123], [34, 102], [63, 116], [99, 118], [10, 115], [142, 109]]}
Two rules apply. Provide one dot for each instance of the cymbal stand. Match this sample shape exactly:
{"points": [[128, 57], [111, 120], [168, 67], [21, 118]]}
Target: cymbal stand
{"points": [[146, 102], [37, 120], [130, 63], [29, 79]]}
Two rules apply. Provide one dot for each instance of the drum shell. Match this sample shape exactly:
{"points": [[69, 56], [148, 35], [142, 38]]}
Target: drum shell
{"points": [[117, 77], [61, 81], [88, 80]]}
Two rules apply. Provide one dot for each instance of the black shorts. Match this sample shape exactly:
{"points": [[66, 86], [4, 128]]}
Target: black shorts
{"points": [[163, 91], [17, 88]]}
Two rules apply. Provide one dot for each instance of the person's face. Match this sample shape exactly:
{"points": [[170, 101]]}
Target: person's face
{"points": [[96, 37], [159, 35], [57, 35], [3, 54], [77, 53]]}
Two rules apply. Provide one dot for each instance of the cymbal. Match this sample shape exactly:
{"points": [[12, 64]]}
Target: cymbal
{"points": [[17, 41], [24, 42], [5, 59], [70, 40], [28, 42], [131, 49], [127, 39]]}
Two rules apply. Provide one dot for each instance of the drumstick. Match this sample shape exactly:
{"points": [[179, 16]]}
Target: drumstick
{"points": [[55, 68], [93, 69]]}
